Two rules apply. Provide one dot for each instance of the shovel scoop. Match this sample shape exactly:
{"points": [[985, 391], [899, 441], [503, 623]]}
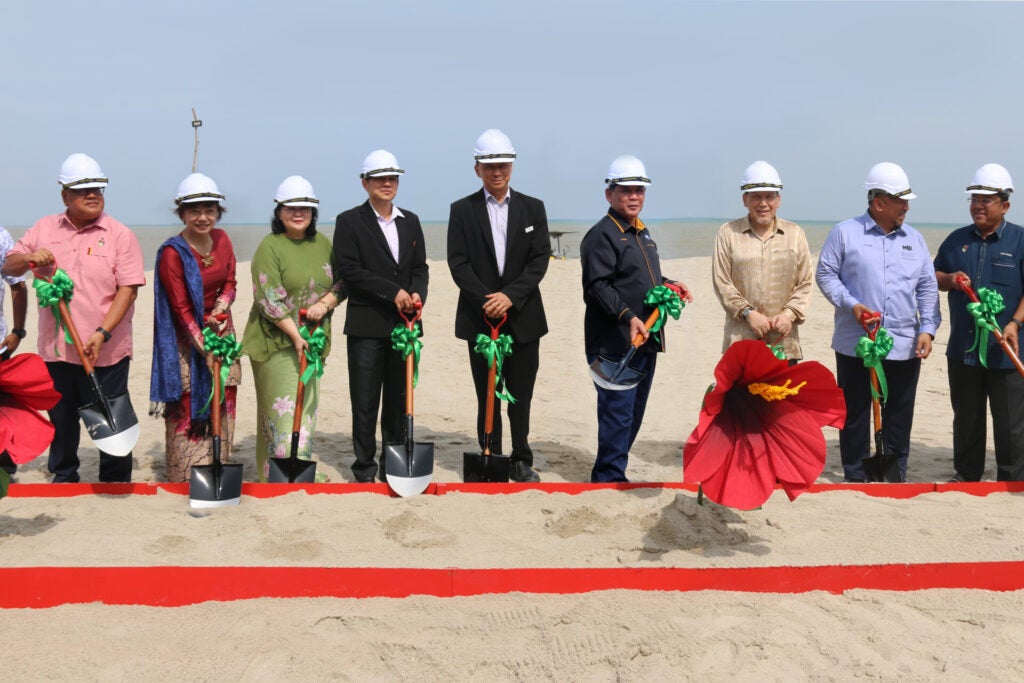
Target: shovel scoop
{"points": [[616, 375]]}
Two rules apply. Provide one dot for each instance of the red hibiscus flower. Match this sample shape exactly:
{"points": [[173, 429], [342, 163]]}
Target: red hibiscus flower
{"points": [[25, 389], [761, 424]]}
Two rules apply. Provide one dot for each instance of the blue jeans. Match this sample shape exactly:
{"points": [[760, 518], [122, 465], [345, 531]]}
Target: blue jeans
{"points": [[619, 416]]}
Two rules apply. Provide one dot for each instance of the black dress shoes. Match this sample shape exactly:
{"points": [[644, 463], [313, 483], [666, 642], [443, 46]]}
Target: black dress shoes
{"points": [[521, 472]]}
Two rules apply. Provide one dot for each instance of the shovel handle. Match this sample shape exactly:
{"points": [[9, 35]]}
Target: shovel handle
{"points": [[409, 322], [1005, 345], [492, 381], [300, 390], [871, 327], [648, 324], [65, 314]]}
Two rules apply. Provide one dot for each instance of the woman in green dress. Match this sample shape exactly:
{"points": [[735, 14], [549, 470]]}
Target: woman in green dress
{"points": [[291, 270]]}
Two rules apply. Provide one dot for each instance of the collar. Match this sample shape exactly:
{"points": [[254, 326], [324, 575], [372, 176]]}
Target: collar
{"points": [[395, 213], [998, 232], [488, 196], [870, 224], [100, 222], [747, 226], [622, 223]]}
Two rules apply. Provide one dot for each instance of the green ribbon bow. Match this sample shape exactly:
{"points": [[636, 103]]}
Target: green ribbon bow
{"points": [[406, 341], [668, 304], [228, 350], [317, 340], [777, 350], [50, 294], [990, 304], [495, 350], [872, 352]]}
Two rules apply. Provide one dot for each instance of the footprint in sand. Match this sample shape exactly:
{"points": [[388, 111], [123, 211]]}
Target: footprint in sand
{"points": [[409, 530]]}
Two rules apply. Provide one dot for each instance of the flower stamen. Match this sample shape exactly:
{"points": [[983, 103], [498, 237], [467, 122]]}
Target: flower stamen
{"points": [[774, 392]]}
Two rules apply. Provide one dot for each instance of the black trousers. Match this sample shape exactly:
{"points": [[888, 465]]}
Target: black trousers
{"points": [[970, 387], [374, 368], [520, 372], [76, 390], [855, 440]]}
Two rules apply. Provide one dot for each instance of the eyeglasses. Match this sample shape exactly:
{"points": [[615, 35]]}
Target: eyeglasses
{"points": [[86, 191], [629, 190], [985, 200], [296, 209], [207, 211]]}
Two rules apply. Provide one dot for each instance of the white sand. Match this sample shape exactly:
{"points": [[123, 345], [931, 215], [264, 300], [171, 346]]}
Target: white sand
{"points": [[599, 636]]}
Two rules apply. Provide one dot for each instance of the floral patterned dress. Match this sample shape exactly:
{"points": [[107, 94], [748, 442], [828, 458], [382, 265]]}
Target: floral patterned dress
{"points": [[287, 275]]}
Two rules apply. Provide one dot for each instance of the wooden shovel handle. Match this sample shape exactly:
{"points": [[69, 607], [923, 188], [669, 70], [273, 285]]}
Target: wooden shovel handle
{"points": [[649, 323], [1005, 345], [409, 360], [300, 391], [65, 314], [492, 381]]}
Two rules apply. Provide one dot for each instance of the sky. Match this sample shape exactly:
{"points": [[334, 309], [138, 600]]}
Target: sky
{"points": [[697, 90]]}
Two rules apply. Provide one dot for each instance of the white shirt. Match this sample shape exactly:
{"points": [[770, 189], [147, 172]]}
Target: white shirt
{"points": [[390, 230], [497, 212], [6, 244]]}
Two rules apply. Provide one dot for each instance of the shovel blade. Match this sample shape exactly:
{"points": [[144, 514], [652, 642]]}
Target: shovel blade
{"points": [[116, 435], [614, 375], [292, 471], [882, 466], [216, 485], [477, 467], [408, 476]]}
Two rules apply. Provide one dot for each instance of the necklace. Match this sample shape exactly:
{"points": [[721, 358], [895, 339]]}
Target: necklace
{"points": [[206, 259]]}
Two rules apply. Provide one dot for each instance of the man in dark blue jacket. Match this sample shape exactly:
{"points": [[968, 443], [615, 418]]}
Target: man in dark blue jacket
{"points": [[988, 254], [620, 264]]}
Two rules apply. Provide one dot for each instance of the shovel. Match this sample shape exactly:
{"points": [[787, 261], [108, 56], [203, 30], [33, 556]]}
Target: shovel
{"points": [[881, 466], [215, 485], [409, 466], [485, 466], [616, 375], [1007, 349], [293, 470], [110, 421]]}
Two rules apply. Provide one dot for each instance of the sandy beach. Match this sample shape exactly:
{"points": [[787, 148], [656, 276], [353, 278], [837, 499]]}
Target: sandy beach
{"points": [[613, 635]]}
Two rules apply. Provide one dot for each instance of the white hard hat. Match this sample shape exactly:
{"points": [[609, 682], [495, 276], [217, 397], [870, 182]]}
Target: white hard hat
{"points": [[296, 191], [627, 170], [493, 147], [80, 171], [196, 188], [991, 179], [761, 176], [380, 163], [890, 179]]}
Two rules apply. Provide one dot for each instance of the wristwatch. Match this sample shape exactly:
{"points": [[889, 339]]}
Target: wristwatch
{"points": [[745, 313], [106, 335], [18, 332], [1020, 324]]}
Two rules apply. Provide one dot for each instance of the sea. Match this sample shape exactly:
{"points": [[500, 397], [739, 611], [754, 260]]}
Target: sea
{"points": [[676, 238]]}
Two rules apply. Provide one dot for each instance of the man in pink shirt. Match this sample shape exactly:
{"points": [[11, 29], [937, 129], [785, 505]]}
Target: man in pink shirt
{"points": [[103, 258]]}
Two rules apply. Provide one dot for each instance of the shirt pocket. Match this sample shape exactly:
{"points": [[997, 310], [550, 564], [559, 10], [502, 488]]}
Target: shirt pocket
{"points": [[1005, 272]]}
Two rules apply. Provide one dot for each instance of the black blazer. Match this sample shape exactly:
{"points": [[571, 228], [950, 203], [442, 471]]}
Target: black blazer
{"points": [[370, 273], [474, 266]]}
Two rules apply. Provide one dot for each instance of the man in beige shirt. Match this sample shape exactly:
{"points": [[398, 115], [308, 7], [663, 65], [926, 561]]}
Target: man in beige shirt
{"points": [[762, 267]]}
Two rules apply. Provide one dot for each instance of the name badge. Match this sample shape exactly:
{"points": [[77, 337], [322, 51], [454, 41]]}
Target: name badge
{"points": [[529, 229]]}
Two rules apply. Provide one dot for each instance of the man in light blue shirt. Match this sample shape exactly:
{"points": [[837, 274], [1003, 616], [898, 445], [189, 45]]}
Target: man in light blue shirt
{"points": [[876, 264]]}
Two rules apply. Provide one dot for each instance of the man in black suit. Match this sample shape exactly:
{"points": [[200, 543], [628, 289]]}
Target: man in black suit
{"points": [[383, 263], [498, 252]]}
